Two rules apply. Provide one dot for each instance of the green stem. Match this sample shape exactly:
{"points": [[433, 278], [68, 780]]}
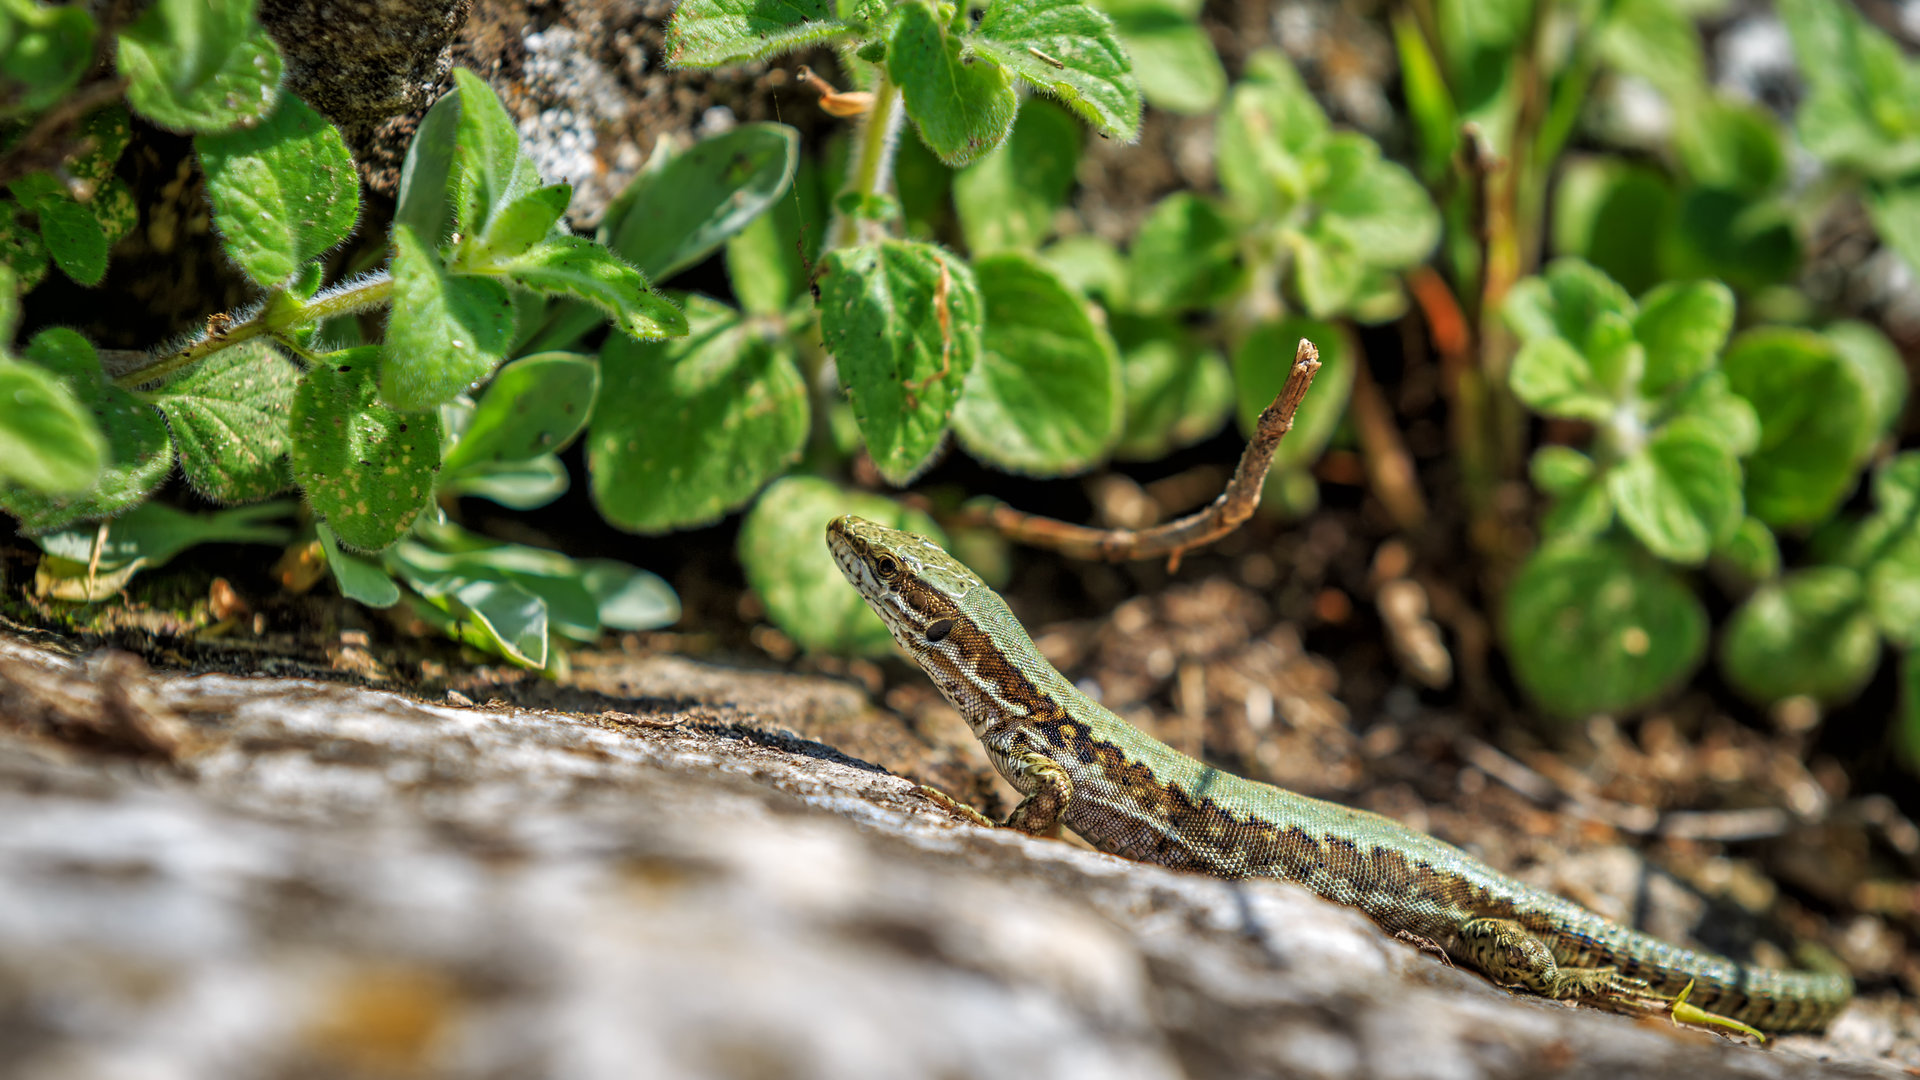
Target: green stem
{"points": [[872, 172], [281, 315]]}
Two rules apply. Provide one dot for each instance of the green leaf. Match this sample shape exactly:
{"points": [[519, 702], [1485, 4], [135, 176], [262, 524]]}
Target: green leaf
{"points": [[674, 216], [1655, 40], [137, 456], [1429, 101], [903, 323], [524, 222], [1723, 413], [1007, 199], [1568, 300], [1581, 514], [1815, 423], [445, 332], [513, 619], [359, 580], [769, 261], [1680, 493], [1752, 550], [688, 430], [425, 199], [1750, 244], [22, 251], [229, 417], [1607, 211], [533, 407], [1553, 379], [1684, 326], [200, 65], [1184, 255], [1861, 110], [1591, 627], [578, 267], [1269, 139], [1091, 265], [490, 171], [629, 598], [784, 551], [1891, 538], [367, 469], [962, 103], [1260, 368], [1731, 145], [74, 239], [1174, 61], [1177, 391], [1045, 397], [1068, 50], [43, 53], [1376, 205], [153, 533], [1808, 633], [283, 191], [519, 485], [48, 442], [1877, 365], [711, 33], [1560, 471]]}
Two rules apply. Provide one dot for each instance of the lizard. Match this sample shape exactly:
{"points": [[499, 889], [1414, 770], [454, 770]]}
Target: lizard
{"points": [[1079, 765]]}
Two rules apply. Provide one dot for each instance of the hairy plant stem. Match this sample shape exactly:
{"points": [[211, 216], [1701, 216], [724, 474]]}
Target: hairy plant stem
{"points": [[276, 319], [872, 172]]}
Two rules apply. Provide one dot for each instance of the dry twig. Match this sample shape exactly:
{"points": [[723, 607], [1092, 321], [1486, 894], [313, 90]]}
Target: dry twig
{"points": [[1173, 539]]}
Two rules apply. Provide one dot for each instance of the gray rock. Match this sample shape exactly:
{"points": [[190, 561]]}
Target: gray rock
{"points": [[210, 876]]}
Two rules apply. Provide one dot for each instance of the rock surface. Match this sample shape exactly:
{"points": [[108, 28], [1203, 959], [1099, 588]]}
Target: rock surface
{"points": [[208, 876]]}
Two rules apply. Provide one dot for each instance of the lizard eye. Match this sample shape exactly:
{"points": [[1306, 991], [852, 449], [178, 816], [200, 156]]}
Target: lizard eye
{"points": [[886, 566], [938, 629]]}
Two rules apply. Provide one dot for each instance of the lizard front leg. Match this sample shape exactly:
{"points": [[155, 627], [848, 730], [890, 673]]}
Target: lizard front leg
{"points": [[1042, 811]]}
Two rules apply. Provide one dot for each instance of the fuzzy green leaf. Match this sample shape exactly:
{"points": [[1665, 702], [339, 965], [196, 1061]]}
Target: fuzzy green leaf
{"points": [[283, 191], [533, 407], [48, 442], [525, 221], [962, 103], [1680, 493], [229, 416], [42, 55], [688, 430], [1177, 391], [446, 332], [630, 598], [1376, 205], [367, 469], [1069, 50], [1815, 423], [1808, 633], [1552, 378], [783, 549], [1007, 199], [200, 65], [710, 33], [360, 580], [577, 267], [1174, 61], [1595, 627], [1684, 326], [137, 457], [1559, 471], [672, 217], [1184, 256], [1045, 397], [490, 171], [74, 238], [900, 359]]}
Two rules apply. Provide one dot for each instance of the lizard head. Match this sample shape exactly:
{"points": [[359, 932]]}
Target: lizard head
{"points": [[913, 586]]}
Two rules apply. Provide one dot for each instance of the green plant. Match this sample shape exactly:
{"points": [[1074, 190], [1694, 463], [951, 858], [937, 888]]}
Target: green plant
{"points": [[258, 403], [1695, 453]]}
